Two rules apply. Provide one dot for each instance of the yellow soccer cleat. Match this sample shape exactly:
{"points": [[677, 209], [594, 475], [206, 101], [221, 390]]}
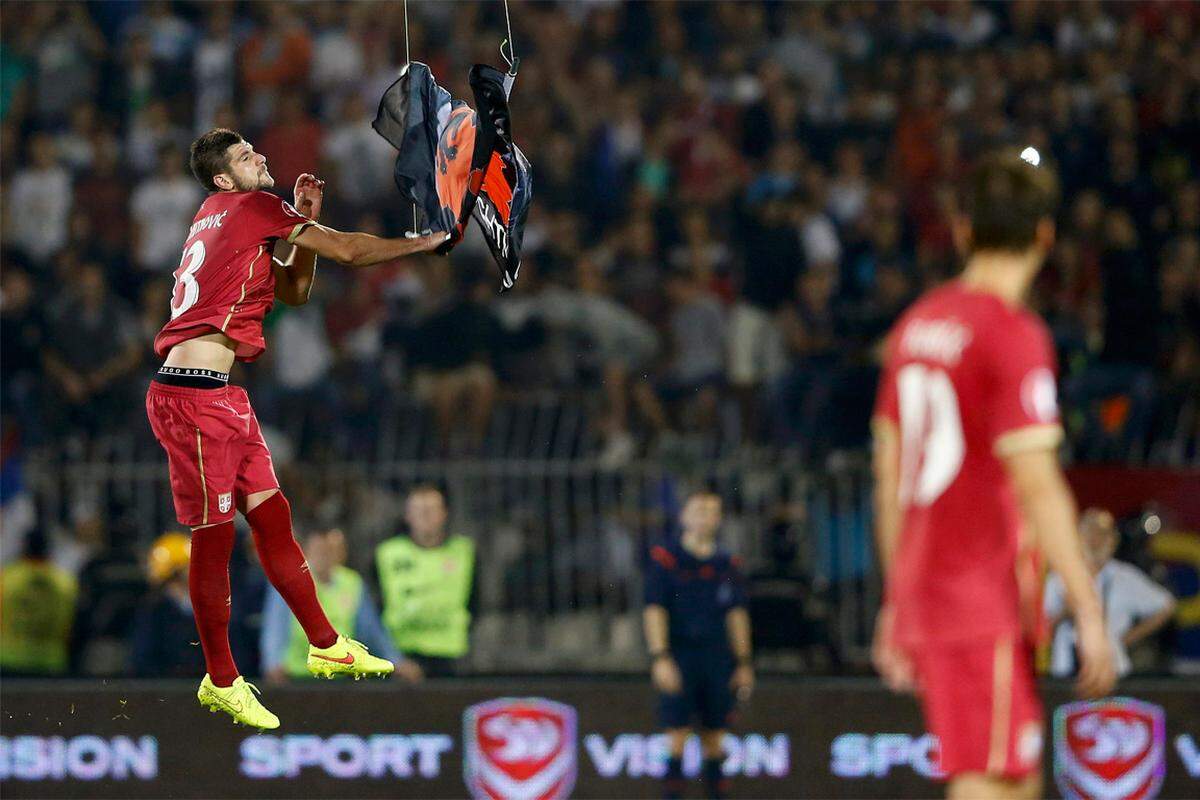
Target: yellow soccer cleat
{"points": [[238, 701], [346, 657]]}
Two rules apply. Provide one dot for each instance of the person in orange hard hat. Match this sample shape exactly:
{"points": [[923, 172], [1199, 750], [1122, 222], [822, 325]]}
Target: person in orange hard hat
{"points": [[164, 631]]}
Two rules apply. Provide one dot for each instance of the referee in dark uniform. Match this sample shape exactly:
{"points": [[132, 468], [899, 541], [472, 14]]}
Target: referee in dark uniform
{"points": [[698, 634]]}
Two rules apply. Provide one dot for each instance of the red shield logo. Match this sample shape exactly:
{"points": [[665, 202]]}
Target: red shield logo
{"points": [[1111, 749], [519, 749]]}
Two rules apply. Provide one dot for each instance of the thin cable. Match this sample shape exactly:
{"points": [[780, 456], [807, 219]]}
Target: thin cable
{"points": [[407, 62], [511, 56]]}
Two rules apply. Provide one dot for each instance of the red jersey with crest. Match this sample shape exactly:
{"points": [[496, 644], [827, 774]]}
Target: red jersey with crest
{"points": [[225, 281], [967, 380]]}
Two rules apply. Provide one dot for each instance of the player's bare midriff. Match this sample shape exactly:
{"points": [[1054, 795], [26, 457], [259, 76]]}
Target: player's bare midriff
{"points": [[214, 351]]}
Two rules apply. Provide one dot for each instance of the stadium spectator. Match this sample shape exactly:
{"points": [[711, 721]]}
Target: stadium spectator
{"points": [[37, 608], [301, 396], [21, 333], [76, 146], [772, 259], [161, 210], [426, 580], [214, 66], [293, 137], [338, 55], [91, 347], [275, 57], [111, 582], [357, 162], [69, 50], [449, 349], [102, 198], [347, 603], [695, 369], [594, 333], [150, 130], [698, 634], [1135, 607], [38, 203], [164, 632]]}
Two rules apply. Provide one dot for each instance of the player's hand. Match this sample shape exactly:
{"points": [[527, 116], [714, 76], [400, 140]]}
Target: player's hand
{"points": [[308, 193], [276, 676], [423, 244], [665, 675], [892, 663], [409, 671], [742, 682], [1097, 667]]}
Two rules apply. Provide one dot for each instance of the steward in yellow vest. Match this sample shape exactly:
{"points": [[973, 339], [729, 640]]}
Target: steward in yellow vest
{"points": [[425, 582], [37, 606]]}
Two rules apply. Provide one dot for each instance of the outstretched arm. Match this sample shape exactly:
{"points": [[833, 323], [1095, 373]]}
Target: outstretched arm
{"points": [[363, 249]]}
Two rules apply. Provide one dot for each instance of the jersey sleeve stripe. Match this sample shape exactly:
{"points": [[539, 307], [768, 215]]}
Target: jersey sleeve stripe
{"points": [[291, 239], [1029, 437]]}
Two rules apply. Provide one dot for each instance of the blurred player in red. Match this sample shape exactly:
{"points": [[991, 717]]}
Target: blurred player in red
{"points": [[968, 488], [227, 280]]}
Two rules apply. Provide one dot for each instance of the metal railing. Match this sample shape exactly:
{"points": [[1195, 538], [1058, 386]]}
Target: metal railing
{"points": [[560, 543]]}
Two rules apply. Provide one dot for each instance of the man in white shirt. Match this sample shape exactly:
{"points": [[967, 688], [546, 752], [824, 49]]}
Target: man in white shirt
{"points": [[162, 209], [38, 204], [1134, 606]]}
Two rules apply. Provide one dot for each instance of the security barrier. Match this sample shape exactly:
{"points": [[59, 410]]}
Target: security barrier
{"points": [[549, 738]]}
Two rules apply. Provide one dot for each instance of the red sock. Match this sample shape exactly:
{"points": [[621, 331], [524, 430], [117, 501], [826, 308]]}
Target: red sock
{"points": [[283, 561], [208, 584]]}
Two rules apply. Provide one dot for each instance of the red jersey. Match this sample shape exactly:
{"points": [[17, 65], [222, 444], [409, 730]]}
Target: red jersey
{"points": [[967, 380], [225, 281]]}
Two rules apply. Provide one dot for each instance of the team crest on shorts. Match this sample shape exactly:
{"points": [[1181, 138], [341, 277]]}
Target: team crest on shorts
{"points": [[1112, 749], [225, 502], [519, 749]]}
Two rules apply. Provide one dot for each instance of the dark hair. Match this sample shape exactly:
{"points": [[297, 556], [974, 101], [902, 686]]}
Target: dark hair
{"points": [[1006, 199], [702, 491], [36, 544], [426, 486], [210, 155]]}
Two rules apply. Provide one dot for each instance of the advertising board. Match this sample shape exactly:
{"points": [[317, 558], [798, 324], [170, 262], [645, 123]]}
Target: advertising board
{"points": [[546, 739]]}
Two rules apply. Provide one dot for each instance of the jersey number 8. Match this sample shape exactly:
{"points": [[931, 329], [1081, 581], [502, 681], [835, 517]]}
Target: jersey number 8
{"points": [[932, 445], [185, 278]]}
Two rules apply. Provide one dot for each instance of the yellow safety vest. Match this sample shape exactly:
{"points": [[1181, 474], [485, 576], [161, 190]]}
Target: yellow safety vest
{"points": [[425, 594], [37, 607], [340, 599]]}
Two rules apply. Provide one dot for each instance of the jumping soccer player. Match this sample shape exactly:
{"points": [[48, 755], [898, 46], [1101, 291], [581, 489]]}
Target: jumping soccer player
{"points": [[966, 431], [698, 634], [219, 463]]}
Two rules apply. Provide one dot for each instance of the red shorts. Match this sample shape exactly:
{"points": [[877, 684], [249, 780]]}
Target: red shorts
{"points": [[215, 450], [980, 699]]}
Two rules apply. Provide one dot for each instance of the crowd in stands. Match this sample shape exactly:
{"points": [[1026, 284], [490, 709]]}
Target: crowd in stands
{"points": [[733, 202]]}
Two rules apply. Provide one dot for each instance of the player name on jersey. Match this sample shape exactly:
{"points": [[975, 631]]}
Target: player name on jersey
{"points": [[211, 221], [937, 340]]}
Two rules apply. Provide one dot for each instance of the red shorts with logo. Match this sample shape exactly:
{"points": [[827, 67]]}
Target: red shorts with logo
{"points": [[980, 699], [215, 450]]}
